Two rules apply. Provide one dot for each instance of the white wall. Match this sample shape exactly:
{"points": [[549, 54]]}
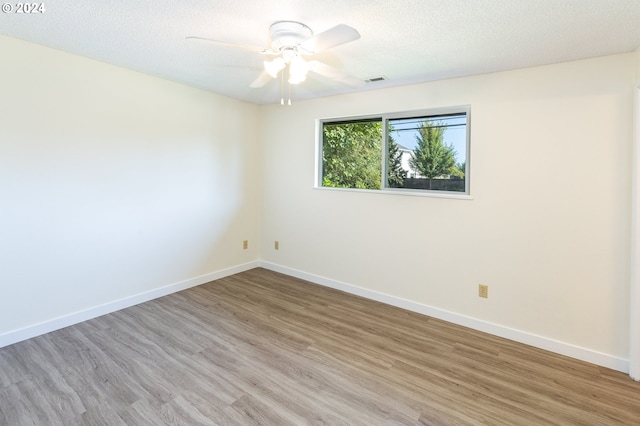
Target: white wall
{"points": [[115, 183], [548, 228]]}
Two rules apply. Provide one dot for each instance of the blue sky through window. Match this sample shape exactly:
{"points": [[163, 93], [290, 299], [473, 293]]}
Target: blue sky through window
{"points": [[405, 131]]}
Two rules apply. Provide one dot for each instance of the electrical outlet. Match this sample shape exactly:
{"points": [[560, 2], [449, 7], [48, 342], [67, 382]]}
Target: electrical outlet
{"points": [[245, 244], [276, 245], [483, 290]]}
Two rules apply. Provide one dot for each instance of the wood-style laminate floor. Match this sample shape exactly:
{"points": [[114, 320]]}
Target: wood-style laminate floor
{"points": [[264, 348]]}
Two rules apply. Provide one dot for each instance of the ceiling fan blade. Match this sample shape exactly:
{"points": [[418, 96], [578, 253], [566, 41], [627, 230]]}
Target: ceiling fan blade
{"points": [[328, 71], [340, 34], [262, 79], [233, 45]]}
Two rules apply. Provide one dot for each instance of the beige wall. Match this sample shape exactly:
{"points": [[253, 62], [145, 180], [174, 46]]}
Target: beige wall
{"points": [[634, 332], [548, 228], [114, 183]]}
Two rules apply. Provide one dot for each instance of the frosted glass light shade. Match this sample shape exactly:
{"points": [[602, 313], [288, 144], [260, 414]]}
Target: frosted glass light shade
{"points": [[274, 66]]}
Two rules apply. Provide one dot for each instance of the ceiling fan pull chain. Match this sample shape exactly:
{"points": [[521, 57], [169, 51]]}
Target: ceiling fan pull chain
{"points": [[282, 88]]}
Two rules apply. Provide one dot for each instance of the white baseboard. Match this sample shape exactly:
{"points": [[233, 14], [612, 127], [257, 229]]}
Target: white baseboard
{"points": [[25, 333], [530, 339], [541, 342]]}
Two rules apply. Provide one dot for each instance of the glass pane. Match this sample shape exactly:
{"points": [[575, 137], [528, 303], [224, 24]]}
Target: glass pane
{"points": [[352, 154], [428, 153]]}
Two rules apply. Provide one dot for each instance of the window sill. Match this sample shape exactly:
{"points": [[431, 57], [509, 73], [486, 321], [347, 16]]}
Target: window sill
{"points": [[402, 192]]}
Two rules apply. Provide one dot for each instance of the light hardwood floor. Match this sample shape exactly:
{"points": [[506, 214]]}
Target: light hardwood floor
{"points": [[264, 348]]}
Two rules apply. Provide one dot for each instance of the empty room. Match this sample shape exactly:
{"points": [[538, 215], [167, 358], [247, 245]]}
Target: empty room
{"points": [[320, 212]]}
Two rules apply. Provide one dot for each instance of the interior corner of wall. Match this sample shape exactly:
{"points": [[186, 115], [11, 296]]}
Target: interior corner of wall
{"points": [[637, 75]]}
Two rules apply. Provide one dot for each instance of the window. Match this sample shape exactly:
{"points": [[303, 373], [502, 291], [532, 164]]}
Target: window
{"points": [[419, 151]]}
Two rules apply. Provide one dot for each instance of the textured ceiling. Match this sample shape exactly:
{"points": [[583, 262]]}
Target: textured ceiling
{"points": [[406, 41]]}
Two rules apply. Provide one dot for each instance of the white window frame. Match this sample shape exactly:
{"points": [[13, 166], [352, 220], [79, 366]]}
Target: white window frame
{"points": [[385, 118]]}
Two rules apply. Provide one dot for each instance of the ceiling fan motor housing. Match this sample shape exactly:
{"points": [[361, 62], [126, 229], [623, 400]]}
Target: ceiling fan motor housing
{"points": [[288, 34]]}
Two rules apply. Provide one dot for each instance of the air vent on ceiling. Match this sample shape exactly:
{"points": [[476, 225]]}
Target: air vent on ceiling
{"points": [[376, 79]]}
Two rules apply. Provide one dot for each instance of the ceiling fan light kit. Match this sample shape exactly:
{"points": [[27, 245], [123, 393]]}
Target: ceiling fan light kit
{"points": [[288, 42]]}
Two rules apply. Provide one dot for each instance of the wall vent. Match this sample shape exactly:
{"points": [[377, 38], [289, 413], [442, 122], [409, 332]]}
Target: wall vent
{"points": [[376, 79]]}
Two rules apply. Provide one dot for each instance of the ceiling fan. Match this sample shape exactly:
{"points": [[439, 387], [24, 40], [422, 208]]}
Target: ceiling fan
{"points": [[289, 42]]}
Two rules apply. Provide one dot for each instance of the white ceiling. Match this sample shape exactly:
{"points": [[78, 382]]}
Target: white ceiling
{"points": [[406, 41]]}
